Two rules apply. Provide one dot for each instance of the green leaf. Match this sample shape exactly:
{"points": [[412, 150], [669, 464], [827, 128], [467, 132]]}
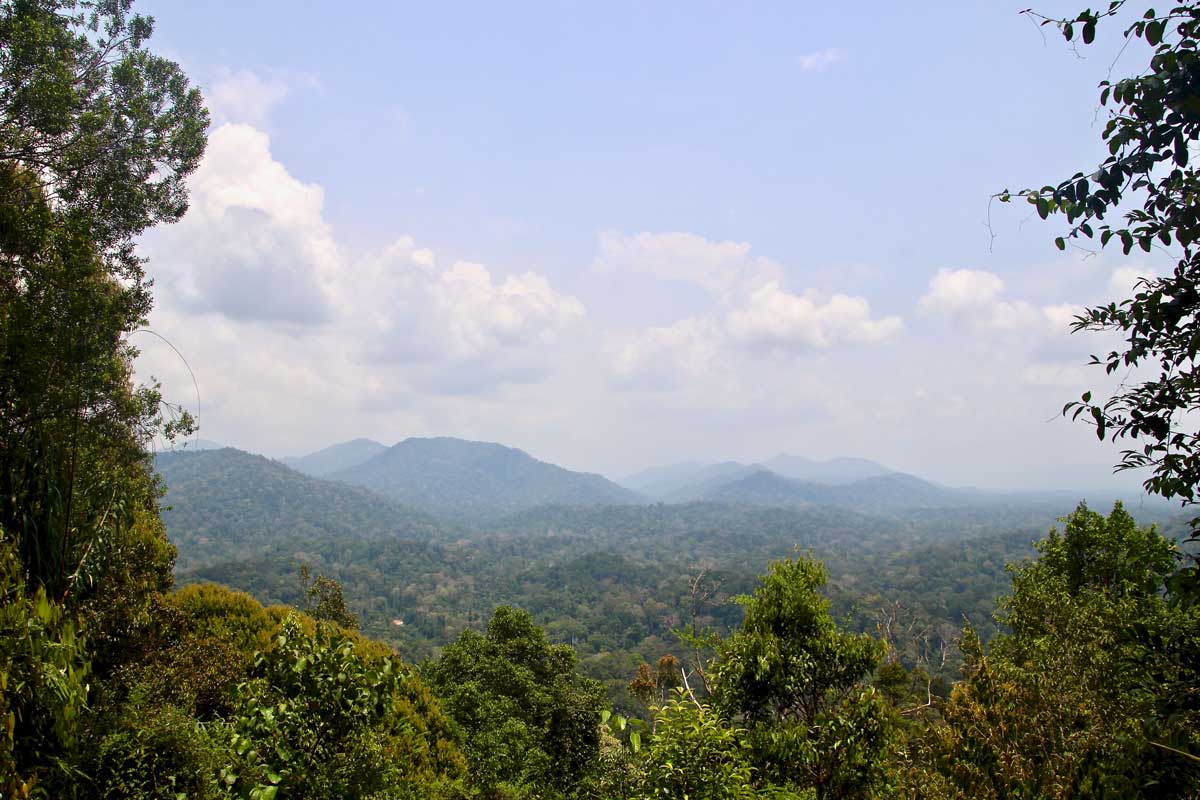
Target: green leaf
{"points": [[1060, 243], [635, 741], [1154, 31], [1089, 32]]}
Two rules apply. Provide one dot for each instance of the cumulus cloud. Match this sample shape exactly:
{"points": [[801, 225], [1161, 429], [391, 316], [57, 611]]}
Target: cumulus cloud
{"points": [[773, 317], [1055, 375], [461, 313], [244, 96], [754, 314], [974, 298], [255, 250], [661, 356], [254, 244], [819, 60]]}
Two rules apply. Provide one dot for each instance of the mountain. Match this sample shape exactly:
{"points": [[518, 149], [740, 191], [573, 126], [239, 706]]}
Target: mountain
{"points": [[687, 481], [225, 501], [336, 457], [883, 493], [833, 471], [682, 482], [655, 480], [474, 481]]}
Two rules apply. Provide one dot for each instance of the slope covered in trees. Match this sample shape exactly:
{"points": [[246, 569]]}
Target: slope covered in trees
{"points": [[336, 457], [473, 481], [226, 501]]}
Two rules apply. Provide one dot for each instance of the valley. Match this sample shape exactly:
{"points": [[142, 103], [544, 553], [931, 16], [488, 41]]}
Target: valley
{"points": [[602, 567]]}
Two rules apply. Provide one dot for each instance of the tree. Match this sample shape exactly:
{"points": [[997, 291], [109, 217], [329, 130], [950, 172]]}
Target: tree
{"points": [[530, 721], [322, 719], [1078, 700], [1150, 182], [324, 599], [108, 129], [696, 754], [97, 136], [795, 682]]}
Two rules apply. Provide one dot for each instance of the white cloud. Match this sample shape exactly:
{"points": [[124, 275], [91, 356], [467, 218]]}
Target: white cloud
{"points": [[974, 298], [755, 316], [1123, 283], [244, 96], [456, 314], [821, 59], [254, 244], [255, 250], [773, 317], [665, 355]]}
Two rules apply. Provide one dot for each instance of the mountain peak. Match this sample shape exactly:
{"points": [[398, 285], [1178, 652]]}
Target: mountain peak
{"points": [[471, 481], [336, 457]]}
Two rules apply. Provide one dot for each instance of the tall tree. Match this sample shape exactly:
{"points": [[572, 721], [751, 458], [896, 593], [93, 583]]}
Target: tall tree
{"points": [[97, 135], [1081, 697], [531, 723], [795, 682]]}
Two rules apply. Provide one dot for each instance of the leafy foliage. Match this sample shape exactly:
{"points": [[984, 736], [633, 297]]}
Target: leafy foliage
{"points": [[43, 683], [795, 682], [530, 722], [321, 721], [694, 753], [1149, 179], [107, 127], [1070, 703]]}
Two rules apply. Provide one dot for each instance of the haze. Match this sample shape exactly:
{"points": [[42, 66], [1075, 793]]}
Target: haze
{"points": [[619, 236]]}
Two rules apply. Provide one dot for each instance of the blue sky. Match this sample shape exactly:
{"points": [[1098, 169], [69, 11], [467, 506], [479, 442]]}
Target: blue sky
{"points": [[618, 235]]}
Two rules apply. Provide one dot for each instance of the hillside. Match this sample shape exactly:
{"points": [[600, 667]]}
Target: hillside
{"points": [[336, 457], [473, 481], [223, 502], [614, 581], [693, 480]]}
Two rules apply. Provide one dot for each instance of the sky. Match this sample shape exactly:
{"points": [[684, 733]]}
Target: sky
{"points": [[619, 235]]}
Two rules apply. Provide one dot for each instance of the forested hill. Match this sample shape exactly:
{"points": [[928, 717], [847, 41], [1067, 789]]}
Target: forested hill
{"points": [[336, 457], [224, 502], [473, 481]]}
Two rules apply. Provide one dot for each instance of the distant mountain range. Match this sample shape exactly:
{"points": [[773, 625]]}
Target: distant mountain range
{"points": [[688, 481], [474, 481], [223, 501], [336, 457], [856, 484]]}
